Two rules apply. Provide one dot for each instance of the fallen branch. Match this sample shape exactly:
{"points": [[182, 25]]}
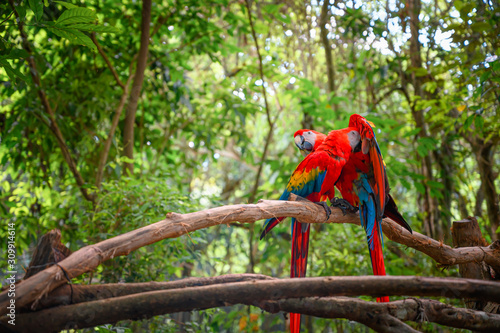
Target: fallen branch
{"points": [[80, 293], [90, 257], [154, 303]]}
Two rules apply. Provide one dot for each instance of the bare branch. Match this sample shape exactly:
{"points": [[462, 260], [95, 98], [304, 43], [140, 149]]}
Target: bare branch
{"points": [[88, 258]]}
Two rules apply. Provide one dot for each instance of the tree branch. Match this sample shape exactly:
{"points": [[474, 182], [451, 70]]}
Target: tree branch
{"points": [[106, 59], [148, 304], [268, 111], [80, 293], [54, 128], [103, 157], [88, 258], [381, 317]]}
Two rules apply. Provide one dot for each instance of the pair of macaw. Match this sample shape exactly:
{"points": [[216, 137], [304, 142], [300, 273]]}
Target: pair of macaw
{"points": [[350, 160]]}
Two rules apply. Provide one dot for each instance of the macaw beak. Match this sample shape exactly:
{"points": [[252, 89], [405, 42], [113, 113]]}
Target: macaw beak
{"points": [[304, 146]]}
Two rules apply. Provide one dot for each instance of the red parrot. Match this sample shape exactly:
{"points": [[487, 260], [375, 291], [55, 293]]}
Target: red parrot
{"points": [[363, 182], [314, 178]]}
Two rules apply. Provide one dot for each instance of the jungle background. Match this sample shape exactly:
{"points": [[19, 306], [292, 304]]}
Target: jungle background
{"points": [[199, 109]]}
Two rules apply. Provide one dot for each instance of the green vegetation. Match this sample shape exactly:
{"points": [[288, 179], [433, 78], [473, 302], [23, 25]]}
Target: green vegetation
{"points": [[212, 123]]}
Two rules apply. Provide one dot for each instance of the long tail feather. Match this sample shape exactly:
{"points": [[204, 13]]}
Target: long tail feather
{"points": [[377, 259], [391, 211], [300, 249]]}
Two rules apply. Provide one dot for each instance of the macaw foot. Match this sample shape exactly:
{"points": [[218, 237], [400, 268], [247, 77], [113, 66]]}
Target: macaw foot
{"points": [[328, 211], [344, 205]]}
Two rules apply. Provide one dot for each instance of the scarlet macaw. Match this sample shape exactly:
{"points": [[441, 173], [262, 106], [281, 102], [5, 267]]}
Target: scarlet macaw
{"points": [[315, 178], [363, 183]]}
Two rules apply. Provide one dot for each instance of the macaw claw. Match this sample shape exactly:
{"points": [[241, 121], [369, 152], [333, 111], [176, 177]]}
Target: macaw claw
{"points": [[344, 205], [328, 211]]}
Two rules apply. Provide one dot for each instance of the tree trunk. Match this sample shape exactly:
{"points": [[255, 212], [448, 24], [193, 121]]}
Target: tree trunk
{"points": [[467, 233], [484, 156], [431, 216], [128, 127], [330, 71]]}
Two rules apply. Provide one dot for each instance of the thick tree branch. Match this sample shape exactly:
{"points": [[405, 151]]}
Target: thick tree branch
{"points": [[88, 258], [54, 128], [128, 127], [255, 292], [352, 309], [381, 316], [74, 294]]}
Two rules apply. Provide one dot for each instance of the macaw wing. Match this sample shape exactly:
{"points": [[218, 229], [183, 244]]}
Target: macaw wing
{"points": [[367, 210], [378, 177], [307, 181]]}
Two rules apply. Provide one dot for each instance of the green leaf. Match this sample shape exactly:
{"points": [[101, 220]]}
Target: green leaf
{"points": [[479, 123], [420, 188], [73, 36], [95, 28], [21, 10], [422, 150], [413, 132], [480, 26], [66, 4], [284, 18], [11, 72], [419, 71], [37, 8], [125, 159], [76, 15], [271, 9], [17, 54], [435, 184], [468, 122]]}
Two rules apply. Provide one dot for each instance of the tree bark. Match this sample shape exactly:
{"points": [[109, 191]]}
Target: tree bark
{"points": [[128, 127], [467, 233], [484, 156], [90, 257], [49, 251], [431, 216], [153, 303]]}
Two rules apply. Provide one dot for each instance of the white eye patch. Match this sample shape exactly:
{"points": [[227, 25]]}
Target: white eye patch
{"points": [[354, 139]]}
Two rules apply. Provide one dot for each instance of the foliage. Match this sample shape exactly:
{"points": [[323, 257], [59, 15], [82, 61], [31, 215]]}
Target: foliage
{"points": [[202, 125]]}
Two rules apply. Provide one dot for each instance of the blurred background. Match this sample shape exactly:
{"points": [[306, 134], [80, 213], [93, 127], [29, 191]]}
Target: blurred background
{"points": [[226, 85]]}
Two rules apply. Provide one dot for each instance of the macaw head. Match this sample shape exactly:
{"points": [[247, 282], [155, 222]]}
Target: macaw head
{"points": [[364, 126], [365, 129], [308, 140]]}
